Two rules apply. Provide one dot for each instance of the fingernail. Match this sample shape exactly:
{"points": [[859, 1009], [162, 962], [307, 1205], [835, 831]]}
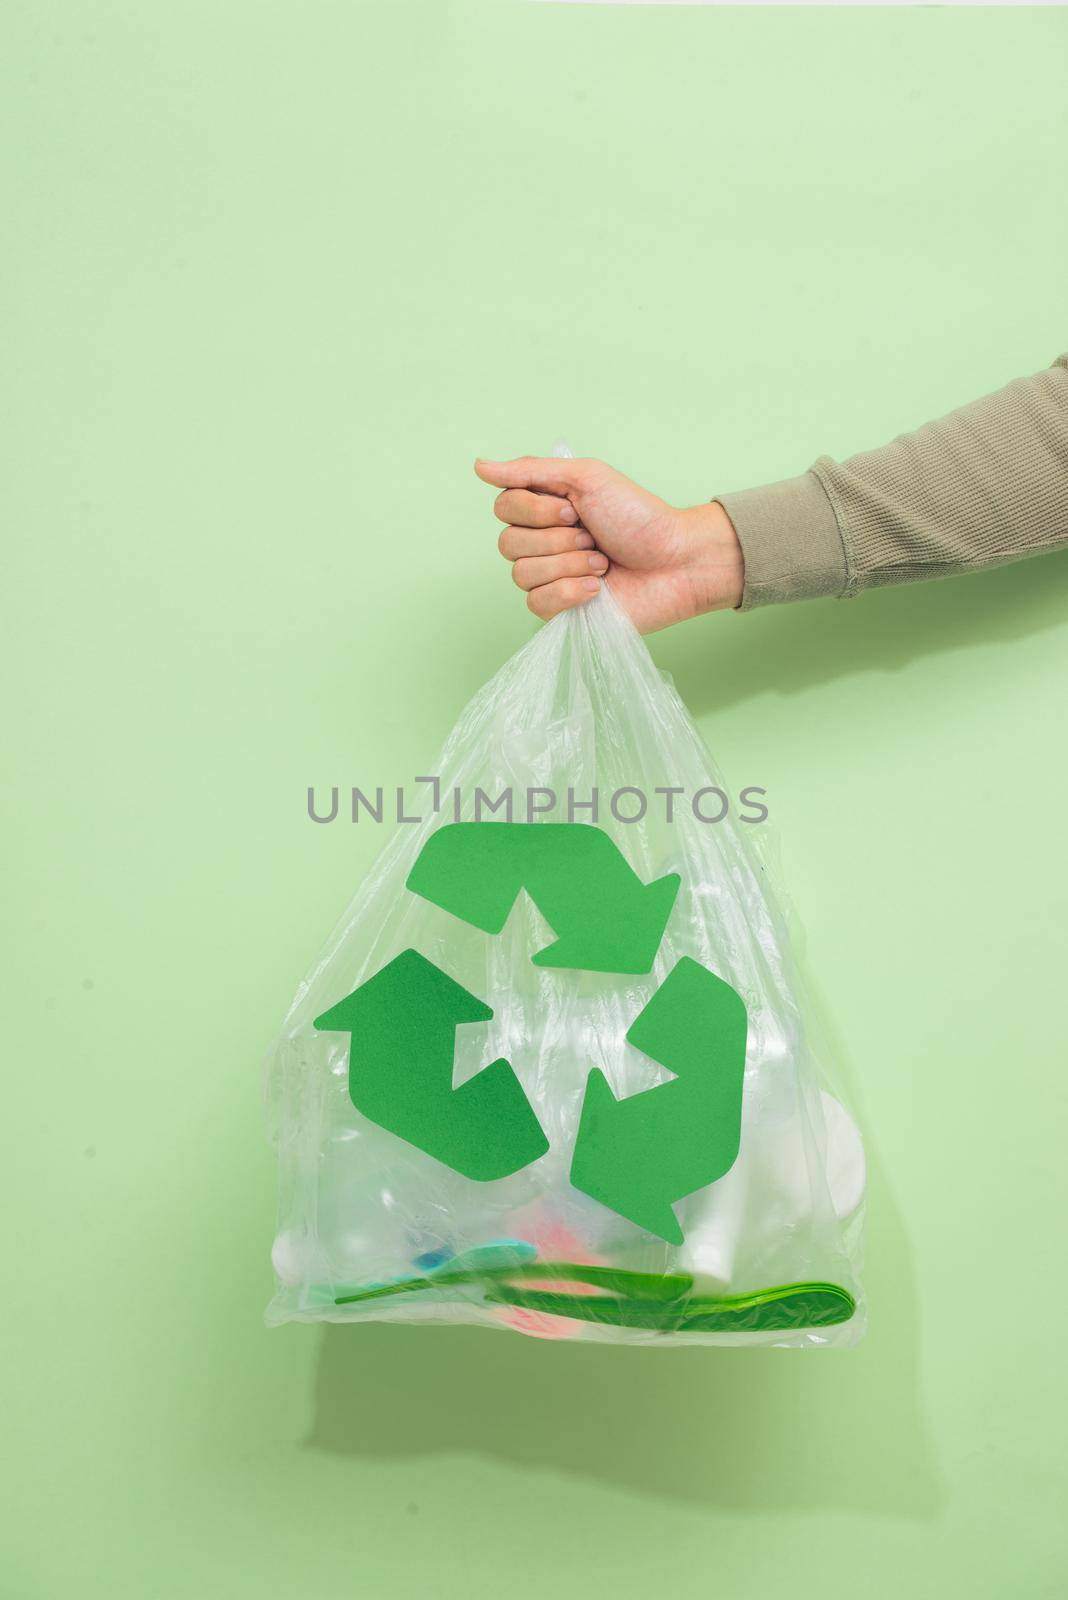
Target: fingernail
{"points": [[598, 563], [591, 585], [584, 540], [568, 515]]}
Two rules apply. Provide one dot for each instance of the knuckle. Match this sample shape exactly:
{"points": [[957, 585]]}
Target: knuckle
{"points": [[504, 541], [588, 470], [535, 604], [520, 575]]}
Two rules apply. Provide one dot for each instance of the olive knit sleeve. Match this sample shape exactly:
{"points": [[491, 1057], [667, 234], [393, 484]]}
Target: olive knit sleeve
{"points": [[982, 486]]}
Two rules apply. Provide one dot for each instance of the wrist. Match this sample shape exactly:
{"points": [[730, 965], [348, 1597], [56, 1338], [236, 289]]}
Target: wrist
{"points": [[712, 555]]}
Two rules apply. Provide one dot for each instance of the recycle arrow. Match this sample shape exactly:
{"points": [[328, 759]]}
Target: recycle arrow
{"points": [[605, 918], [640, 1155], [403, 1024]]}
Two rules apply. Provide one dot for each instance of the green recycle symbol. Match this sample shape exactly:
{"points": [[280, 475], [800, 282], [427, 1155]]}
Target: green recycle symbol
{"points": [[638, 1156]]}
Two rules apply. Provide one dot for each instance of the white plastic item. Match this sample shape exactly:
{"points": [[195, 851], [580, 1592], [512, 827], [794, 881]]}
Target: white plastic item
{"points": [[373, 1227]]}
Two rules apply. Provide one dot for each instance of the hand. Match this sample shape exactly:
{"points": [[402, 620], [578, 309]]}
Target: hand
{"points": [[570, 523]]}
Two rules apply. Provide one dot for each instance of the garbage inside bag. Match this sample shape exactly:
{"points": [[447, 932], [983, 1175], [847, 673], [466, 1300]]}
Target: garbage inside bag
{"points": [[552, 1071]]}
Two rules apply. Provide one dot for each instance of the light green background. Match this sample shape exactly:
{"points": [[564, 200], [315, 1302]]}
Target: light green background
{"points": [[279, 270]]}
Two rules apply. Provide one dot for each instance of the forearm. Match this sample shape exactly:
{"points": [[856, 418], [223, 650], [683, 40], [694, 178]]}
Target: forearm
{"points": [[985, 485]]}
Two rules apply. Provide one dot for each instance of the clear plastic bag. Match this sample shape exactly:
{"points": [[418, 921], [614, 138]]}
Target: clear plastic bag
{"points": [[373, 1227]]}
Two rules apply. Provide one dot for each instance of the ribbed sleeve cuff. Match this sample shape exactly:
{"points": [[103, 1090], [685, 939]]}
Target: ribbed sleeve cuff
{"points": [[790, 542]]}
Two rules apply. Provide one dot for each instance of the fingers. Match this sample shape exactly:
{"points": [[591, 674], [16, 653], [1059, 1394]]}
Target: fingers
{"points": [[547, 474], [533, 510], [551, 598], [554, 560], [516, 542], [534, 572]]}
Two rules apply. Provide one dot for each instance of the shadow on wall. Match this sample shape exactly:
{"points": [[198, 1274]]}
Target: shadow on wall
{"points": [[749, 1430], [720, 661]]}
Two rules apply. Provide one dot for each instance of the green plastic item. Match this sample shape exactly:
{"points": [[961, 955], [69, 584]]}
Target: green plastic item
{"points": [[605, 918], [641, 1154], [403, 1024], [632, 1299], [469, 1267]]}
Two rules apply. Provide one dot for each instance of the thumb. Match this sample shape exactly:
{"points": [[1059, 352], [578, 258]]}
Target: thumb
{"points": [[547, 474]]}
